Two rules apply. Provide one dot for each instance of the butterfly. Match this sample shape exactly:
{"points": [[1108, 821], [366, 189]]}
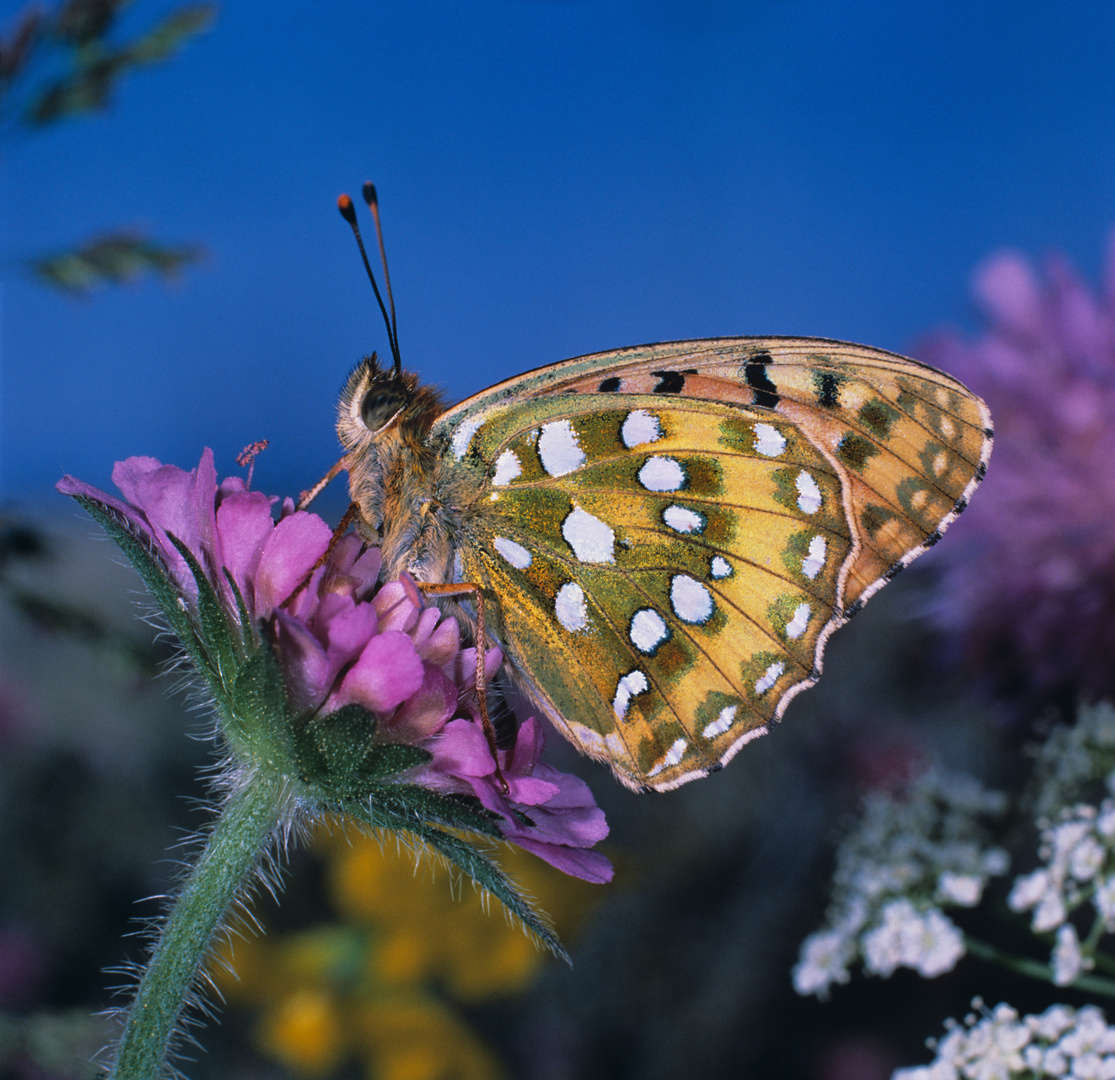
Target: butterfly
{"points": [[662, 538]]}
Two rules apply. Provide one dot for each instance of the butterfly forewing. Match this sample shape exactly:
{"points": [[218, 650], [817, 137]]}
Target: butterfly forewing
{"points": [[668, 534]]}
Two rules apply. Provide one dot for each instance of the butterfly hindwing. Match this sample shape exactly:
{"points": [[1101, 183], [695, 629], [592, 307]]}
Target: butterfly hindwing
{"points": [[668, 534]]}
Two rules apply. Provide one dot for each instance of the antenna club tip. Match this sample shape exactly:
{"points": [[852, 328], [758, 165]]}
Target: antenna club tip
{"points": [[370, 196], [344, 204]]}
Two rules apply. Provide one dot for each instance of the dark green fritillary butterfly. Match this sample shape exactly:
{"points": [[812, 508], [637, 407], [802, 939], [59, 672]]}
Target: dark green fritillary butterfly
{"points": [[663, 537]]}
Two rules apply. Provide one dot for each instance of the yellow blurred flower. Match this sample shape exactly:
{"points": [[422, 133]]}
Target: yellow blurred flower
{"points": [[304, 1031], [379, 985], [419, 1039]]}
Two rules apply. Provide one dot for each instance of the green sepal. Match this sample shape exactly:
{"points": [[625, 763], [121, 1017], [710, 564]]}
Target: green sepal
{"points": [[241, 607], [257, 720], [463, 853], [216, 637], [149, 564], [384, 760], [338, 754], [341, 738], [399, 806], [487, 874]]}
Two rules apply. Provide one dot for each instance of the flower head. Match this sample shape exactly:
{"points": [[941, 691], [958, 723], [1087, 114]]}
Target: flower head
{"points": [[999, 1043], [1031, 594], [913, 854], [359, 694]]}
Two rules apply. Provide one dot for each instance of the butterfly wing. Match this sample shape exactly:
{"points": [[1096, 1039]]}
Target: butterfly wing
{"points": [[667, 534]]}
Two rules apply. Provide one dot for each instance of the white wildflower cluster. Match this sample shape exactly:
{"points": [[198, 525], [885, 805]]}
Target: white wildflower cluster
{"points": [[907, 859], [998, 1044], [1074, 757], [1078, 868]]}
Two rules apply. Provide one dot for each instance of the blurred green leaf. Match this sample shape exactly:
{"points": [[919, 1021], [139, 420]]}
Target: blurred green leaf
{"points": [[165, 39], [84, 91], [75, 38], [111, 259], [80, 22], [18, 46]]}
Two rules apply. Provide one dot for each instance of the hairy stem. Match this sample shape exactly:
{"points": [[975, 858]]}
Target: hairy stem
{"points": [[232, 850]]}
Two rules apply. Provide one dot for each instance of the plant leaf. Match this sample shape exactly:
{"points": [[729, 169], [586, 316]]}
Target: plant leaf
{"points": [[171, 34], [112, 258]]}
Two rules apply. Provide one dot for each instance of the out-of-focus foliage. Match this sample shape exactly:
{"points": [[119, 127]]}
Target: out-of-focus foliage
{"points": [[111, 258], [387, 984], [69, 62], [61, 64], [49, 1044]]}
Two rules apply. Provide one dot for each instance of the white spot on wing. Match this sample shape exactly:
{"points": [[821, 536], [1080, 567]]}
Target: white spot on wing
{"points": [[634, 682], [769, 441], [514, 553], [569, 607], [769, 677], [508, 467], [558, 448], [692, 602], [721, 568], [814, 561], [809, 495], [721, 724], [796, 626], [639, 428], [670, 758], [662, 474], [648, 630], [463, 435], [683, 520], [591, 540]]}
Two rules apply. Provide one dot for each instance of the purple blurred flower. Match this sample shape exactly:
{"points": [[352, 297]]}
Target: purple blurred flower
{"points": [[1030, 593], [343, 639]]}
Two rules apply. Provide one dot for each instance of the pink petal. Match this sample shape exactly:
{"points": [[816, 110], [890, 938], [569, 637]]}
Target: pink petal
{"points": [[443, 644], [423, 713], [396, 607], [386, 674], [307, 671], [576, 862], [346, 626], [296, 543], [244, 524], [462, 750]]}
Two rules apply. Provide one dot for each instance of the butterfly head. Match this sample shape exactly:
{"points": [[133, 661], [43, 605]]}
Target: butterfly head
{"points": [[373, 402]]}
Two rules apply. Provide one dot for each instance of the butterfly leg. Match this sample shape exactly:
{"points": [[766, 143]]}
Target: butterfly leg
{"points": [[308, 497], [351, 514], [446, 591]]}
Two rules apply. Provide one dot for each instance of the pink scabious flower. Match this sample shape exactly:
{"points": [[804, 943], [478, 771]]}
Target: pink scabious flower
{"points": [[1030, 582], [378, 700]]}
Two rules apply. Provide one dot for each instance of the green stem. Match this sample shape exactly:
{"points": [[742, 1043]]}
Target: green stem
{"points": [[233, 848], [1096, 984]]}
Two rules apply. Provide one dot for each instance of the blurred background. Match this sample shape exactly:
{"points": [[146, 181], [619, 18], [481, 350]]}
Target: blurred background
{"points": [[556, 177]]}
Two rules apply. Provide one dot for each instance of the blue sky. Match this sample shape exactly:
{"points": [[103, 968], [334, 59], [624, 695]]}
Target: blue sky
{"points": [[555, 178]]}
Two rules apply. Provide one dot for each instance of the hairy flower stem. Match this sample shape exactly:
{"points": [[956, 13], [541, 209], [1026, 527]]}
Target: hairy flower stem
{"points": [[232, 850], [1096, 984]]}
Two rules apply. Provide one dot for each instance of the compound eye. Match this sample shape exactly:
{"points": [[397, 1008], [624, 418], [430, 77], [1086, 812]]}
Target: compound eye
{"points": [[380, 405]]}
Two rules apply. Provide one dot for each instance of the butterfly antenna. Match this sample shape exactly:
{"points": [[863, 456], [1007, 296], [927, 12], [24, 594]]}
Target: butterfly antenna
{"points": [[372, 201], [348, 212]]}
